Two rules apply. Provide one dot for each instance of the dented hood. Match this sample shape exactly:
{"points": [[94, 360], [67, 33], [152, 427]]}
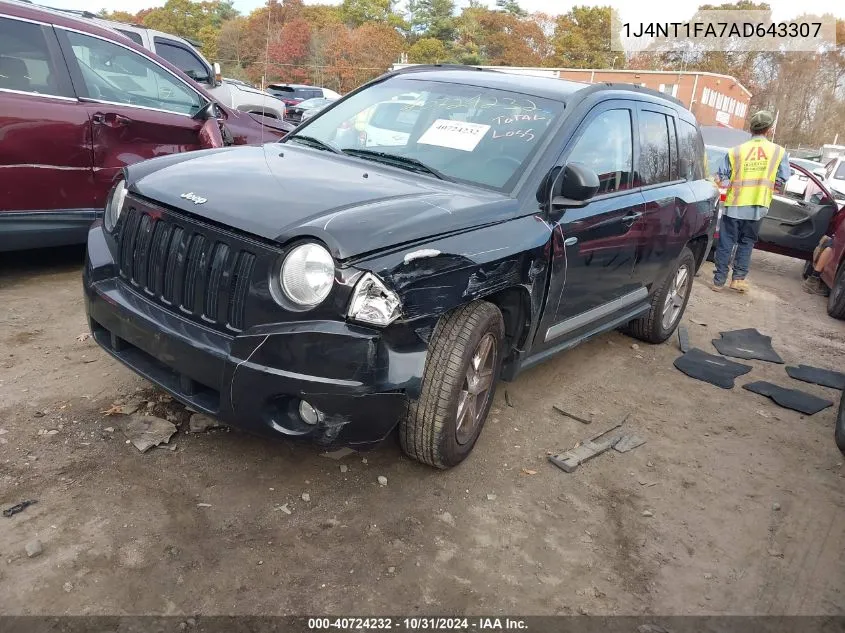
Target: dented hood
{"points": [[279, 191]]}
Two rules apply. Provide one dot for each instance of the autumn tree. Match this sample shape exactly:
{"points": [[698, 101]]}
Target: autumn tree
{"points": [[512, 7], [288, 52], [118, 16], [356, 13]]}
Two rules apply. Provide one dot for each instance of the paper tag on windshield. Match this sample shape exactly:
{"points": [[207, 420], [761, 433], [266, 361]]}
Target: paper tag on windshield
{"points": [[454, 134]]}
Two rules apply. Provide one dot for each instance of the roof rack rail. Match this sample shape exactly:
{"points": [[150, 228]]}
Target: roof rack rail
{"points": [[424, 67]]}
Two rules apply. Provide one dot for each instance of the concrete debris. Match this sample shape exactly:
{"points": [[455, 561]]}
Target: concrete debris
{"points": [[83, 337], [364, 460], [447, 518], [200, 423], [628, 442], [570, 460], [109, 429], [338, 454], [635, 346], [391, 570], [528, 471], [344, 468], [144, 432], [19, 507], [648, 513], [306, 497], [491, 497], [34, 548], [382, 480], [284, 508], [683, 338], [776, 506], [577, 418], [203, 505], [67, 587]]}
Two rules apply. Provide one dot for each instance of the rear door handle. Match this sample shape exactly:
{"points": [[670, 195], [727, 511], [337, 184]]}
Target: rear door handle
{"points": [[632, 217]]}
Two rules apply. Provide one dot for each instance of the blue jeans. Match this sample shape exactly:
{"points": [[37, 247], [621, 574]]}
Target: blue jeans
{"points": [[740, 233]]}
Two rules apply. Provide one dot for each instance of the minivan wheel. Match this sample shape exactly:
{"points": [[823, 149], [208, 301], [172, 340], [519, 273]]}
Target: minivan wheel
{"points": [[464, 358], [836, 300], [839, 431], [668, 304]]}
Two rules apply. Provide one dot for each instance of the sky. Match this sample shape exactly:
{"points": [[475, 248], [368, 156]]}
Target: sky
{"points": [[642, 10]]}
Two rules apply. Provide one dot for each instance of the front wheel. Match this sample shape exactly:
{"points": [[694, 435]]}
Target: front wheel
{"points": [[667, 304], [464, 358]]}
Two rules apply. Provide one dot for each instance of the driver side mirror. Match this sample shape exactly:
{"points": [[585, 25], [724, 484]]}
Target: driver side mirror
{"points": [[575, 187], [218, 75]]}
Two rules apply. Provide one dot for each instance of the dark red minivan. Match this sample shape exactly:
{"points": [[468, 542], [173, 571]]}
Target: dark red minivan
{"points": [[79, 102]]}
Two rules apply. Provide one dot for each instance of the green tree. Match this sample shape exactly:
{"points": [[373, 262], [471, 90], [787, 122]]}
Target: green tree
{"points": [[428, 50], [582, 39], [118, 16], [356, 13], [512, 7], [433, 18]]}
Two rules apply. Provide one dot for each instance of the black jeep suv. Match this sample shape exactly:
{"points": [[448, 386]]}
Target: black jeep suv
{"points": [[364, 274]]}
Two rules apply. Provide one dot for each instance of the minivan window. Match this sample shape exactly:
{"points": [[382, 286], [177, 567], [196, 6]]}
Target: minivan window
{"points": [[25, 62], [653, 165], [116, 74], [132, 35], [479, 135], [691, 153], [607, 147], [183, 59]]}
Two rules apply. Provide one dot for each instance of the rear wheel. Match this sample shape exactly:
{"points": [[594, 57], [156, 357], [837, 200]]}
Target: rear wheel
{"points": [[836, 300], [667, 305], [464, 358]]}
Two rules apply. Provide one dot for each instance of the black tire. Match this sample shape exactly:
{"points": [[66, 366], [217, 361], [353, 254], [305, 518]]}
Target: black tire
{"points": [[839, 430], [836, 299], [651, 327], [429, 429]]}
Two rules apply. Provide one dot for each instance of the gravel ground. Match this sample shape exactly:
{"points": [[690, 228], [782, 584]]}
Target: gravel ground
{"points": [[733, 506]]}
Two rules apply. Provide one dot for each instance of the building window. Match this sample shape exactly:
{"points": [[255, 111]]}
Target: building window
{"points": [[705, 95], [669, 89], [712, 101], [674, 90], [720, 100]]}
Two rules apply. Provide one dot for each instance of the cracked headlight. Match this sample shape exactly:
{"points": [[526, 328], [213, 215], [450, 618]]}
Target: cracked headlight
{"points": [[373, 302], [114, 205], [307, 275]]}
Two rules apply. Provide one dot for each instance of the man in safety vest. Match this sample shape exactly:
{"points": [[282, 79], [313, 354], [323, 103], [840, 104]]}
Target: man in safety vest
{"points": [[750, 172]]}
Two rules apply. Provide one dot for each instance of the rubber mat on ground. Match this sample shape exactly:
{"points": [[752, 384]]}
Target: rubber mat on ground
{"points": [[818, 376], [710, 368], [748, 344], [793, 399]]}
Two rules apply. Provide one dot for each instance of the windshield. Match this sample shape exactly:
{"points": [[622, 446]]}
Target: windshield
{"points": [[809, 165], [314, 103], [715, 156], [477, 135]]}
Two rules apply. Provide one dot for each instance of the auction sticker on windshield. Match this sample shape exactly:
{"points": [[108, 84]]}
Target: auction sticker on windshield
{"points": [[454, 134]]}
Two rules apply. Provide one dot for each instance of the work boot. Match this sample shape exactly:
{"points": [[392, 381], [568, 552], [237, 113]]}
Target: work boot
{"points": [[740, 285], [717, 287], [814, 286]]}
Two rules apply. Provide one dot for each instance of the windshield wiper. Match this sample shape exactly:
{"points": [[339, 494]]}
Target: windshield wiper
{"points": [[313, 142], [405, 162]]}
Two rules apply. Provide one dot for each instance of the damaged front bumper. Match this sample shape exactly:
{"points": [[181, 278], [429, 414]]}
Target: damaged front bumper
{"points": [[356, 379]]}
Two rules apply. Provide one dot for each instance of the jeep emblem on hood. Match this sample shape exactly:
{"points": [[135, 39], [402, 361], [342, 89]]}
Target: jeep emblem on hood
{"points": [[194, 198]]}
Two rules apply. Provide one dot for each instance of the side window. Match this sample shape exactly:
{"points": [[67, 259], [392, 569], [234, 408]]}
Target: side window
{"points": [[118, 75], [607, 147], [691, 152], [653, 165], [132, 35], [25, 61], [183, 59]]}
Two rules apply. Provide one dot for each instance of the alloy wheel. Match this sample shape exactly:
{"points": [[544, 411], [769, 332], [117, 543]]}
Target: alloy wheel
{"points": [[472, 400], [674, 303]]}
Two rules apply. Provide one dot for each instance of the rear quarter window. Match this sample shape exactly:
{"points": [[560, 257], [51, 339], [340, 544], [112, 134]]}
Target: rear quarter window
{"points": [[693, 157], [132, 35]]}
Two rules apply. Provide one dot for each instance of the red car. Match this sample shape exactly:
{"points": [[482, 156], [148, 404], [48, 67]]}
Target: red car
{"points": [[833, 275], [78, 102]]}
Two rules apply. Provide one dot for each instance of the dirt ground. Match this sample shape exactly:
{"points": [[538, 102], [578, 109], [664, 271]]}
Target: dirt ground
{"points": [[733, 506]]}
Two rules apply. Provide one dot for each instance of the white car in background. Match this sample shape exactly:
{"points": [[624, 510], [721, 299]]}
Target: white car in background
{"points": [[797, 183], [833, 174]]}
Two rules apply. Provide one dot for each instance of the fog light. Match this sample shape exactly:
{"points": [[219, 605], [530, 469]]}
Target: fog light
{"points": [[309, 414]]}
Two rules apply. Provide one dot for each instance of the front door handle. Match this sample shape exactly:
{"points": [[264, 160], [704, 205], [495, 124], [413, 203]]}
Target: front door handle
{"points": [[110, 119], [632, 217]]}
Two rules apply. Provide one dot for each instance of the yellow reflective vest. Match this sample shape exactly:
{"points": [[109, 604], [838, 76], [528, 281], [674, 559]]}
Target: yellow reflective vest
{"points": [[754, 167]]}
